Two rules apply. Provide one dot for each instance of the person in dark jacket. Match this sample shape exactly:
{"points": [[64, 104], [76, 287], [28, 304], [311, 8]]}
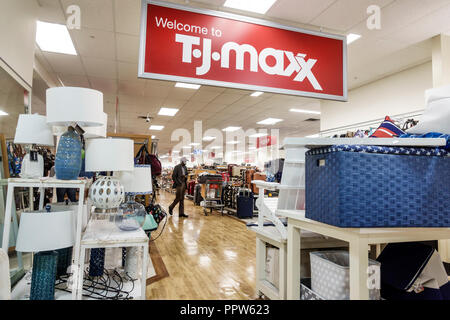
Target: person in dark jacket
{"points": [[179, 177]]}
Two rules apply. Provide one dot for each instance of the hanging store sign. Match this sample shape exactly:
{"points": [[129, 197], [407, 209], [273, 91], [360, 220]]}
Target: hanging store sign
{"points": [[222, 49], [266, 141]]}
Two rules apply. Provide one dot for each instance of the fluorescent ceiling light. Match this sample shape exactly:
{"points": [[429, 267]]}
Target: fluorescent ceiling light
{"points": [[256, 94], [153, 137], [175, 151], [231, 129], [3, 113], [351, 37], [155, 127], [52, 37], [251, 148], [305, 111], [187, 147], [168, 112], [209, 138], [258, 135], [194, 144], [216, 147], [258, 6], [313, 136], [270, 121], [187, 85], [232, 142]]}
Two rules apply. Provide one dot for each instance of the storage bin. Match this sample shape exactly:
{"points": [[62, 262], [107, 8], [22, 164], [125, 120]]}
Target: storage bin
{"points": [[330, 275], [306, 293], [364, 189]]}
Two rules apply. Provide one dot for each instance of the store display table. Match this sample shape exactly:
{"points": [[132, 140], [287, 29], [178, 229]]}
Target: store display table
{"points": [[359, 240], [105, 234]]}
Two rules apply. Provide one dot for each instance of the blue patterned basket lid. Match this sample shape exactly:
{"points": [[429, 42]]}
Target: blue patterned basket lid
{"points": [[432, 152]]}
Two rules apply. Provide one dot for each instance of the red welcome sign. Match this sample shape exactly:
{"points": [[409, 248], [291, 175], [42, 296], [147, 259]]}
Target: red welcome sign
{"points": [[266, 141], [222, 49]]}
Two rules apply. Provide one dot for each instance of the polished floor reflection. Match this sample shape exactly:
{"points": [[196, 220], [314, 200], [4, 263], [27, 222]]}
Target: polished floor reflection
{"points": [[207, 257]]}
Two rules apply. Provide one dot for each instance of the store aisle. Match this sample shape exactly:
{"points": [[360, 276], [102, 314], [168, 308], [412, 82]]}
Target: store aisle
{"points": [[207, 257]]}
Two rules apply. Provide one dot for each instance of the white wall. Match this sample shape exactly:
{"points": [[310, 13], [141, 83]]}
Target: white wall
{"points": [[394, 95], [17, 37]]}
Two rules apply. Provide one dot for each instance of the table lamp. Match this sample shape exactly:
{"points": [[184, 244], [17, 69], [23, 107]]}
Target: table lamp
{"points": [[33, 129], [72, 107], [131, 215], [104, 155], [89, 132], [44, 232]]}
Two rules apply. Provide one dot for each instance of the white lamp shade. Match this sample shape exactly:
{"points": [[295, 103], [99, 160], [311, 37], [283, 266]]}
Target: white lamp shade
{"points": [[33, 129], [109, 155], [66, 105], [89, 132], [44, 231], [138, 181]]}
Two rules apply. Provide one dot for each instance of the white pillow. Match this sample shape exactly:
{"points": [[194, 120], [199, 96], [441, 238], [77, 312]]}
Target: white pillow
{"points": [[436, 117]]}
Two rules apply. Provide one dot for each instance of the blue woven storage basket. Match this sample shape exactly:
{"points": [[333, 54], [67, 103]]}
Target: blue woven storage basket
{"points": [[356, 189]]}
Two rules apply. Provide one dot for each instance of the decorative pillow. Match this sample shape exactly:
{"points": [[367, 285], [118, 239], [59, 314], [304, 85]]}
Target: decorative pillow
{"points": [[388, 129], [436, 117]]}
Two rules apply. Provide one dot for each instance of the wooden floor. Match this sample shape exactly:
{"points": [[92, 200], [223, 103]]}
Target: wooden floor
{"points": [[207, 257]]}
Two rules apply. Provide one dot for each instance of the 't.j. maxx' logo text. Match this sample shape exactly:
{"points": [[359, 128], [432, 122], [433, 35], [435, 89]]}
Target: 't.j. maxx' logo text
{"points": [[297, 63]]}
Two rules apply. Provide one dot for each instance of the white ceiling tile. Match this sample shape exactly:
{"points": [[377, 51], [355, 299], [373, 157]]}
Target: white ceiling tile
{"points": [[96, 14], [126, 12], [64, 63], [204, 96], [302, 11], [100, 67], [131, 88], [127, 71], [127, 48], [227, 98], [94, 43], [344, 14], [74, 80], [157, 91], [105, 85], [50, 11]]}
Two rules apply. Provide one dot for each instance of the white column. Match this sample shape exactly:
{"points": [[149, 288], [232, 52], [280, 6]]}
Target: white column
{"points": [[441, 77]]}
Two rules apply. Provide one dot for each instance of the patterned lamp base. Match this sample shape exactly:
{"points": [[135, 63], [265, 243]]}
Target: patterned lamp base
{"points": [[43, 276], [64, 261], [97, 262]]}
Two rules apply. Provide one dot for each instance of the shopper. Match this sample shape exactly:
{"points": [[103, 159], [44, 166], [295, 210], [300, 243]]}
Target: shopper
{"points": [[179, 177]]}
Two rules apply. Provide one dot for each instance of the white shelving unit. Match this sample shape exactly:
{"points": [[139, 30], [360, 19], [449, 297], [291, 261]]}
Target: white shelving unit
{"points": [[42, 184]]}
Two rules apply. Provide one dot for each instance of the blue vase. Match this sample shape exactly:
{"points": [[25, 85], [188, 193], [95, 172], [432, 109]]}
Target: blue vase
{"points": [[68, 156]]}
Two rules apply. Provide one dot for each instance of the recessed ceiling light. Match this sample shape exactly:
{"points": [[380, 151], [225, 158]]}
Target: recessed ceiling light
{"points": [[258, 135], [187, 147], [187, 85], [231, 129], [256, 94], [153, 137], [209, 138], [52, 37], [3, 113], [194, 144], [305, 111], [155, 127], [258, 6], [313, 136], [270, 121], [216, 147], [175, 151], [351, 37], [232, 142], [251, 148], [168, 112]]}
